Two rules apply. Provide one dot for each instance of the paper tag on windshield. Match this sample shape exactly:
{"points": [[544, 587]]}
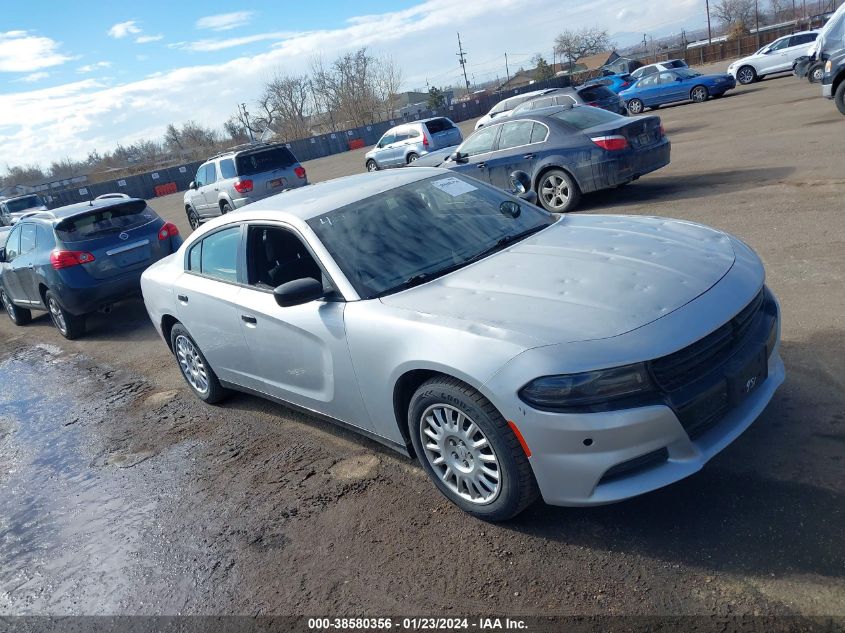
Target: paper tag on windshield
{"points": [[453, 186]]}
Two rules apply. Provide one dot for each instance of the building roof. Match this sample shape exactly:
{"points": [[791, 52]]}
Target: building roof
{"points": [[594, 62]]}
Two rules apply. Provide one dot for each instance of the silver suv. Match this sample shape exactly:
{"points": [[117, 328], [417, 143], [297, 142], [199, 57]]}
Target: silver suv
{"points": [[13, 209], [239, 177], [405, 143]]}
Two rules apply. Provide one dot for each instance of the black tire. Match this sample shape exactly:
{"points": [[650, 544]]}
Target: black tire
{"points": [[815, 74], [71, 326], [516, 489], [635, 107], [214, 392], [412, 157], [19, 316], [193, 218], [699, 94], [746, 75], [548, 179], [372, 165], [839, 97], [225, 208]]}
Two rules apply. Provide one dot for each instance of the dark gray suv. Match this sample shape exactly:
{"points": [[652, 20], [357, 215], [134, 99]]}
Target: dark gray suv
{"points": [[243, 175]]}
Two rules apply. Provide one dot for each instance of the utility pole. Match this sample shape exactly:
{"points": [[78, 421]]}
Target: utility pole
{"points": [[507, 70], [709, 30], [463, 61], [757, 20], [645, 42], [245, 119]]}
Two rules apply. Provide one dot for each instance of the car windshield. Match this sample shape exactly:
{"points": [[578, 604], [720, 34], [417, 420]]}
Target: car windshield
{"points": [[99, 222], [686, 73], [22, 204], [416, 232]]}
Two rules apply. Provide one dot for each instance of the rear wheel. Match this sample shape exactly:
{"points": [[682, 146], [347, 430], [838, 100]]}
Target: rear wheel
{"points": [[372, 165], [746, 75], [225, 208], [839, 98], [194, 367], [412, 157], [19, 316], [193, 218], [699, 94], [69, 325], [635, 106], [469, 451], [558, 192]]}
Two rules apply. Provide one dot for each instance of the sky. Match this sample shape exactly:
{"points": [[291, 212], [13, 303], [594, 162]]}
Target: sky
{"points": [[92, 74]]}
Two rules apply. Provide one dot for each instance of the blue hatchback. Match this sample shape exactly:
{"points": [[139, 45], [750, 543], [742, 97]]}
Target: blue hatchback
{"points": [[79, 259], [669, 86]]}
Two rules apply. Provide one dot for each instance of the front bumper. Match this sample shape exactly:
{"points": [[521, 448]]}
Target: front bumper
{"points": [[827, 91], [595, 458]]}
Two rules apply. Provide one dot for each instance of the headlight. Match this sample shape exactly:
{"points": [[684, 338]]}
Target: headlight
{"points": [[828, 66], [591, 387]]}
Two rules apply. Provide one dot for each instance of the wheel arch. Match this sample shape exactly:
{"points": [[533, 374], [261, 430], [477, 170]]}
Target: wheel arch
{"points": [[549, 167], [168, 321]]}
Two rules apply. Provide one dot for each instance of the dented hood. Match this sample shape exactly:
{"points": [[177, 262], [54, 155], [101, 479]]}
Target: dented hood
{"points": [[586, 277]]}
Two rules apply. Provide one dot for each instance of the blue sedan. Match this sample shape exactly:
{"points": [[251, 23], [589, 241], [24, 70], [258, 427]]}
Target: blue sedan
{"points": [[681, 84]]}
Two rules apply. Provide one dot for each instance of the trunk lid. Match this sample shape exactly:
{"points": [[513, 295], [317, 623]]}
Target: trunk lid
{"points": [[443, 133]]}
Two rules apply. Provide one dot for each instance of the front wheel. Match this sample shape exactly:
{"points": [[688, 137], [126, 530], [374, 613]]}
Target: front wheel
{"points": [[372, 165], [558, 192], [469, 451], [699, 94], [69, 325], [816, 73], [193, 219], [839, 97], [19, 316], [746, 75], [635, 106], [194, 367]]}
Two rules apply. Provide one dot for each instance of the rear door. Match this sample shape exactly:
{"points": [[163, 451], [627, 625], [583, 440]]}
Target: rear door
{"points": [[646, 90], [196, 199], [518, 142], [210, 189], [24, 264], [123, 238], [396, 150], [442, 133], [672, 87], [476, 150], [271, 170], [10, 277]]}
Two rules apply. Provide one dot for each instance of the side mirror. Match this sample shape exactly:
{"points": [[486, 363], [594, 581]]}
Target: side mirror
{"points": [[298, 291], [458, 157], [192, 185]]}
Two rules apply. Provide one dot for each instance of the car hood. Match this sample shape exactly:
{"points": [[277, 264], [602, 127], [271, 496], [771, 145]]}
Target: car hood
{"points": [[584, 278]]}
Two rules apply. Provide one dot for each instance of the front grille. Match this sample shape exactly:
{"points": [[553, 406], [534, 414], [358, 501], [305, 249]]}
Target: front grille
{"points": [[685, 366], [699, 415]]}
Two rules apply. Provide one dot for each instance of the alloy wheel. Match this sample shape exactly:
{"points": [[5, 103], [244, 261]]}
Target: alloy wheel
{"points": [[699, 94], [818, 74], [191, 364], [371, 166], [460, 454], [745, 76], [555, 191], [57, 315], [193, 219]]}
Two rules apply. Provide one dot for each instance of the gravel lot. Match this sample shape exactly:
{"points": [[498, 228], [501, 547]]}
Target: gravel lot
{"points": [[121, 493]]}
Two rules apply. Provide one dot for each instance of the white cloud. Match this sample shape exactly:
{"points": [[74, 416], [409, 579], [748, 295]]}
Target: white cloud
{"points": [[89, 68], [70, 119], [122, 29], [145, 39], [205, 46], [225, 21], [22, 52], [33, 77]]}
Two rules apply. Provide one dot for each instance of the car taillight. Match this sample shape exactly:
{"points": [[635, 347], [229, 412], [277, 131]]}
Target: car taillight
{"points": [[611, 143], [624, 85], [593, 103], [300, 172], [66, 259], [168, 230], [425, 141], [243, 186]]}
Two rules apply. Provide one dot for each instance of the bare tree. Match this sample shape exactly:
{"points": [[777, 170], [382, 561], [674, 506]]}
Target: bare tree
{"points": [[388, 80], [734, 13], [236, 130], [23, 175], [573, 45], [347, 89], [173, 139], [195, 135], [287, 104]]}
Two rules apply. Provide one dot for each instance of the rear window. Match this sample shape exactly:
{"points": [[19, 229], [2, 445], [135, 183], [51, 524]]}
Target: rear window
{"points": [[582, 118], [596, 93], [265, 160], [22, 204], [439, 125], [676, 63], [103, 221]]}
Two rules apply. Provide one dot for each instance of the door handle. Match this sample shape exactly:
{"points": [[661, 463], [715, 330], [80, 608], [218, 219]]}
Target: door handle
{"points": [[182, 298], [481, 165], [528, 156], [31, 266], [249, 319]]}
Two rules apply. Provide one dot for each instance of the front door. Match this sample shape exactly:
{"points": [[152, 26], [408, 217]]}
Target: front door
{"points": [[476, 150], [209, 190], [24, 265], [517, 145], [776, 58], [298, 353], [10, 278]]}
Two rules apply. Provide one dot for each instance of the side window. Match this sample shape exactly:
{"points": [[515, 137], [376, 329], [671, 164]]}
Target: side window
{"points": [[539, 133], [647, 82], [199, 179], [515, 134], [481, 142], [276, 256], [413, 133], [387, 139], [401, 135], [781, 44], [27, 238], [227, 168], [219, 255], [13, 244], [565, 100], [195, 257], [667, 78], [210, 174], [648, 70]]}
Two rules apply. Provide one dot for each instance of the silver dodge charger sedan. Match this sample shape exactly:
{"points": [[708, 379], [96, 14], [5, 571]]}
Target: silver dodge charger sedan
{"points": [[516, 353]]}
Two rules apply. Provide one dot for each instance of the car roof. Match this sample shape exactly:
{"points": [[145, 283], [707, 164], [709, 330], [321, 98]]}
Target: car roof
{"points": [[310, 201], [78, 208], [246, 148]]}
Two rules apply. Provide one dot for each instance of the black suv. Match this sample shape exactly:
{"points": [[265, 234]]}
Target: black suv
{"points": [[833, 82], [80, 258]]}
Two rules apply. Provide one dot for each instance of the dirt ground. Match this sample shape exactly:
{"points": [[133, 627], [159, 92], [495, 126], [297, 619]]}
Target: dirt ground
{"points": [[120, 493]]}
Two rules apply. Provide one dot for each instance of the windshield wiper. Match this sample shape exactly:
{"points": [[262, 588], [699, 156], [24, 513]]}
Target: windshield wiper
{"points": [[505, 241]]}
